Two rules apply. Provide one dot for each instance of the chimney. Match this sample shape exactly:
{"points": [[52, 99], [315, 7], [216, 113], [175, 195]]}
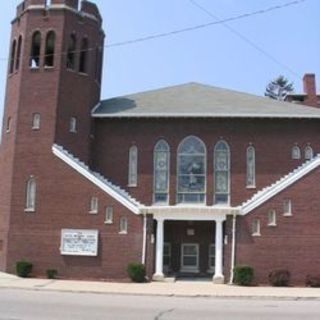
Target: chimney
{"points": [[309, 85]]}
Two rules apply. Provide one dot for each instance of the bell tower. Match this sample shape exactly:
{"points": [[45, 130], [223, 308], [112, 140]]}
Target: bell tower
{"points": [[53, 83]]}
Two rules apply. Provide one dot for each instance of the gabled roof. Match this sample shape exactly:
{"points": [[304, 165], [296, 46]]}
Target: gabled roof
{"points": [[267, 193], [114, 191], [198, 100]]}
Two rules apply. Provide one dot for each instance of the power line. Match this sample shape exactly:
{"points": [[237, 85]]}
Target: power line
{"points": [[246, 39], [188, 29], [205, 25]]}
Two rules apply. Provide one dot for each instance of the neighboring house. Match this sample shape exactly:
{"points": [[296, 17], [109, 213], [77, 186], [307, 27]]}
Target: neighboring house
{"points": [[188, 180]]}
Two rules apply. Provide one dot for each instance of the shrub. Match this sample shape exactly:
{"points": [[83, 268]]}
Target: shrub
{"points": [[243, 275], [313, 281], [279, 278], [52, 273], [23, 268], [136, 272]]}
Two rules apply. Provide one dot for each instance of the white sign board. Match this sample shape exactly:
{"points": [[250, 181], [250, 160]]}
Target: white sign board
{"points": [[75, 242]]}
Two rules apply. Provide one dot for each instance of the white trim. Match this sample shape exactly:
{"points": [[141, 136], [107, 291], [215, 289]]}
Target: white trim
{"points": [[95, 108], [203, 115], [267, 193], [144, 239], [115, 192]]}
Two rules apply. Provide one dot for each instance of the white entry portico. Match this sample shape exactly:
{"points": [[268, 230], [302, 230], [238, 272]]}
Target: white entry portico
{"points": [[190, 213]]}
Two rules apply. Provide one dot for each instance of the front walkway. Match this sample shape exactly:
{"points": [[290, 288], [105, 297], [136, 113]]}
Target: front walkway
{"points": [[179, 288]]}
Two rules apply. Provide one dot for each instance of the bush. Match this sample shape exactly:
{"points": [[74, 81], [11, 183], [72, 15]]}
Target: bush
{"points": [[52, 273], [279, 278], [23, 268], [243, 275], [136, 272], [313, 281]]}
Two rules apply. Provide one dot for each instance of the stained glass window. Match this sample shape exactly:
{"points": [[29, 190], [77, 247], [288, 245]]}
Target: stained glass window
{"points": [[251, 167], [161, 172], [191, 185], [133, 167], [222, 172]]}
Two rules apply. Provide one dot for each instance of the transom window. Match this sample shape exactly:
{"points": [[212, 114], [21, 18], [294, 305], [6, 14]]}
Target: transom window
{"points": [[161, 172], [222, 172], [191, 184]]}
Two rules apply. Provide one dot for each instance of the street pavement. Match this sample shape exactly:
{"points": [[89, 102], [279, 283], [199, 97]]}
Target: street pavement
{"points": [[17, 304], [176, 289]]}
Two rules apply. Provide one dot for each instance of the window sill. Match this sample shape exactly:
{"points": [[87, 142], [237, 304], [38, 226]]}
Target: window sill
{"points": [[48, 68], [83, 74], [108, 222], [123, 232], [251, 187], [256, 234], [35, 128], [93, 212], [29, 210], [132, 185], [34, 68], [287, 214], [272, 225]]}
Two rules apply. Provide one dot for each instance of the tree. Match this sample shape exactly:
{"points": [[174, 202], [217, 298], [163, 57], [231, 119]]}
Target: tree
{"points": [[279, 88]]}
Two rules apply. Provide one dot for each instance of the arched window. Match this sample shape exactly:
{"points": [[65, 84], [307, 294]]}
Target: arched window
{"points": [[36, 121], [99, 58], [295, 153], [50, 46], [31, 195], [222, 173], [71, 55], [133, 167], [84, 56], [13, 54], [161, 162], [308, 153], [18, 53], [8, 128], [34, 61], [251, 167], [191, 177]]}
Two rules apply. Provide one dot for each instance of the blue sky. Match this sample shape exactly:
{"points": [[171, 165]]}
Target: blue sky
{"points": [[212, 55]]}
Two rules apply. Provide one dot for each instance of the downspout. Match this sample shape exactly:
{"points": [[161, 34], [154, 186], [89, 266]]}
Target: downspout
{"points": [[144, 239], [233, 247]]}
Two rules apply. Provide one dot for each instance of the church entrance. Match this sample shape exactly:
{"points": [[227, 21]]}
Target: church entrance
{"points": [[189, 248]]}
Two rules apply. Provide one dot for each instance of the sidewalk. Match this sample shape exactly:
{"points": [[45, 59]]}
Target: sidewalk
{"points": [[179, 288]]}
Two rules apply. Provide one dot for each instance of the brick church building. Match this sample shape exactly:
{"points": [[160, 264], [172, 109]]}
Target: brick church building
{"points": [[189, 180]]}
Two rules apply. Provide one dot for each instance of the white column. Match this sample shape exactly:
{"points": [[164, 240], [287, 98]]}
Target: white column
{"points": [[218, 275], [159, 276]]}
